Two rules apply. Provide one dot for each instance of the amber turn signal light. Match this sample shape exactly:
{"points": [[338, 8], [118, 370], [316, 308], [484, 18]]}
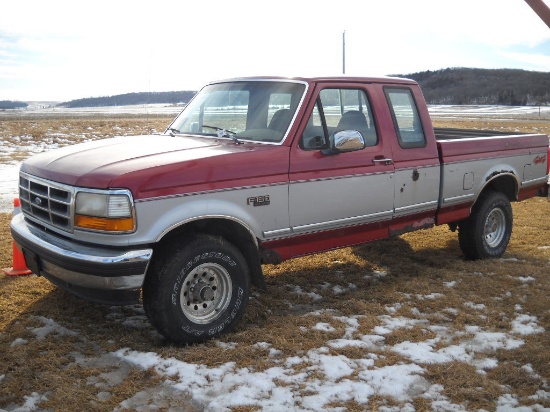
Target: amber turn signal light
{"points": [[105, 224]]}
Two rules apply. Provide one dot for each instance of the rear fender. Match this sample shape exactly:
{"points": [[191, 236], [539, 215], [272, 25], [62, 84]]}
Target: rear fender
{"points": [[504, 181]]}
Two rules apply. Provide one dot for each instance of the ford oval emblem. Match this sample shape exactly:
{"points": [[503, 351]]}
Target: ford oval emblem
{"points": [[38, 201]]}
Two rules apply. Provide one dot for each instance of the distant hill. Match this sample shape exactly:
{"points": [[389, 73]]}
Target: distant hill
{"points": [[11, 104], [484, 86], [132, 99], [457, 85]]}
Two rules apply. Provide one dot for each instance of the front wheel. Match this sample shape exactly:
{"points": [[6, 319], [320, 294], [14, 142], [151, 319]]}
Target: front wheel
{"points": [[486, 233], [197, 290]]}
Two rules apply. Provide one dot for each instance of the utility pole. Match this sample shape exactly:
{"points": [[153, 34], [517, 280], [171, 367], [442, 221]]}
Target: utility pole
{"points": [[344, 52]]}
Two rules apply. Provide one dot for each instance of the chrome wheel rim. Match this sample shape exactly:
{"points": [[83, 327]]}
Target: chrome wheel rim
{"points": [[495, 228], [206, 293]]}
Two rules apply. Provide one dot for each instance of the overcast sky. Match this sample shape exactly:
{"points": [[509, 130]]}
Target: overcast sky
{"points": [[63, 50]]}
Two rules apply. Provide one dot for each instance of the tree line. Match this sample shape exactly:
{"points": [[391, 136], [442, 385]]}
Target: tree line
{"points": [[510, 87], [458, 85], [12, 104], [127, 99]]}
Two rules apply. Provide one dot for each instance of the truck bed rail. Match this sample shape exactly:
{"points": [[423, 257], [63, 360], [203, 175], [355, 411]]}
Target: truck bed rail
{"points": [[442, 133]]}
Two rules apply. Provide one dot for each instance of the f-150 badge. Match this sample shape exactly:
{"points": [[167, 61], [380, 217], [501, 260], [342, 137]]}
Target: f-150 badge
{"points": [[258, 200]]}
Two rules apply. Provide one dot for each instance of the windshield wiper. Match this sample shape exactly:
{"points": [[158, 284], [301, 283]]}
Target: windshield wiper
{"points": [[231, 135], [173, 131], [221, 132]]}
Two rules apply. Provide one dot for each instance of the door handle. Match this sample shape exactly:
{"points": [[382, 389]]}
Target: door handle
{"points": [[382, 159]]}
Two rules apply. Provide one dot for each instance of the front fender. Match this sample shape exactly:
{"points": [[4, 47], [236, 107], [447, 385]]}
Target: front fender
{"points": [[156, 217]]}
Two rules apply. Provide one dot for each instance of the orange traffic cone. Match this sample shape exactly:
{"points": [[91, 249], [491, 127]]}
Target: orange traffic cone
{"points": [[19, 265]]}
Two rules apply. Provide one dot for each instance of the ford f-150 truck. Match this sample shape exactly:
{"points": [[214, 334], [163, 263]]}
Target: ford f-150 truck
{"points": [[256, 171]]}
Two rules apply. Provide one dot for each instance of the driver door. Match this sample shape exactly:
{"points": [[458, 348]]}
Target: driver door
{"points": [[339, 198]]}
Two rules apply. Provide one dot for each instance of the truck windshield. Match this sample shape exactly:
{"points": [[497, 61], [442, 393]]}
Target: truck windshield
{"points": [[259, 111]]}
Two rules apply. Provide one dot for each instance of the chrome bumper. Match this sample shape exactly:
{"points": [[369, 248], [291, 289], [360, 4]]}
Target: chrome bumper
{"points": [[101, 274]]}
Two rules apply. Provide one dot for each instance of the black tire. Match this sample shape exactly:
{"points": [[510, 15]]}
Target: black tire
{"points": [[486, 233], [197, 290]]}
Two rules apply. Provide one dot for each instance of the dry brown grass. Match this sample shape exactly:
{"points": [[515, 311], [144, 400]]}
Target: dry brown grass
{"points": [[58, 130], [404, 274]]}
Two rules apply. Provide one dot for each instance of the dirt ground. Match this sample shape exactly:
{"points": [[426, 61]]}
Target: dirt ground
{"points": [[60, 353]]}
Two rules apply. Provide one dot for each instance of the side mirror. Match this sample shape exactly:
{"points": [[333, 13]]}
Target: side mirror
{"points": [[194, 128], [345, 141]]}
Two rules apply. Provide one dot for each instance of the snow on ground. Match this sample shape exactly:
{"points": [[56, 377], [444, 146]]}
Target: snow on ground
{"points": [[8, 185], [490, 111], [309, 381], [47, 108], [9, 170]]}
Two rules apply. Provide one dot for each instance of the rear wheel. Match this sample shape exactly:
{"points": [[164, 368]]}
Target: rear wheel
{"points": [[198, 290], [486, 233]]}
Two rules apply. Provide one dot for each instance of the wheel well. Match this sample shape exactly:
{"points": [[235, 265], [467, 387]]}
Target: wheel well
{"points": [[230, 230], [506, 184]]}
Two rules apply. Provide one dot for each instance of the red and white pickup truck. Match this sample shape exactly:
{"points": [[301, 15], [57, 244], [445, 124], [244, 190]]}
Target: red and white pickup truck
{"points": [[255, 171]]}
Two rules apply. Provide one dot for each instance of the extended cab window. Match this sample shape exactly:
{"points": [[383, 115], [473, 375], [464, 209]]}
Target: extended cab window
{"points": [[405, 118], [337, 110]]}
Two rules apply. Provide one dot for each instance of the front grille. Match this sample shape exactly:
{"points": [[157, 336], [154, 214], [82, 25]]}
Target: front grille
{"points": [[46, 202]]}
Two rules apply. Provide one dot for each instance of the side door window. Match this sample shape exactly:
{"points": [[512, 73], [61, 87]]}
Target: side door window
{"points": [[337, 110], [406, 119], [315, 136]]}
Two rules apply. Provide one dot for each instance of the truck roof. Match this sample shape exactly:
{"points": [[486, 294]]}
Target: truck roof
{"points": [[324, 79]]}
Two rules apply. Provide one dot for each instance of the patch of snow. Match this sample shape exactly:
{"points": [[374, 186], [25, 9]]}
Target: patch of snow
{"points": [[31, 403], [376, 274], [297, 290], [526, 279], [433, 296], [324, 327], [393, 323], [9, 176], [472, 305], [50, 326], [339, 290], [226, 345], [18, 342], [526, 325], [227, 386]]}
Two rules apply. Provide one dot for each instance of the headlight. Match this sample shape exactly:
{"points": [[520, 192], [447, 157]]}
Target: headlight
{"points": [[112, 212]]}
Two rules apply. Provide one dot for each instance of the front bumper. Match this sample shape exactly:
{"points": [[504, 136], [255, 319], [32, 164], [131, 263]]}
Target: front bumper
{"points": [[102, 274]]}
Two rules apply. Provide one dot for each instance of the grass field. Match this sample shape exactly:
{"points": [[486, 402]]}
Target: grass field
{"points": [[401, 324]]}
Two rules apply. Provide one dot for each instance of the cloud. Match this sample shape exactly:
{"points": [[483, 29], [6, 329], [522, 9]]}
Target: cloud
{"points": [[65, 50], [537, 62]]}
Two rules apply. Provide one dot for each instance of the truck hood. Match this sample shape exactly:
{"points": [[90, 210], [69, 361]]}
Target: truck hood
{"points": [[152, 165]]}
